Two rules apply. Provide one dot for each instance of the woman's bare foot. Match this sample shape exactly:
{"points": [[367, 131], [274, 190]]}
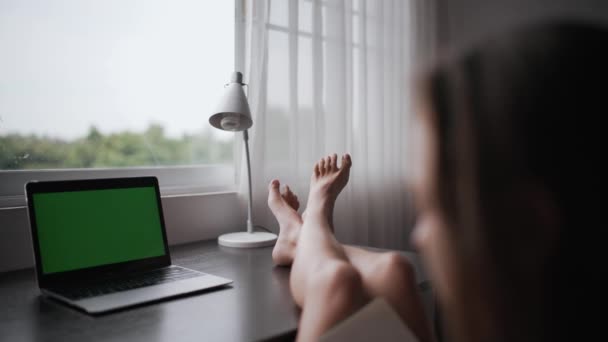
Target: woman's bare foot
{"points": [[327, 182], [284, 207]]}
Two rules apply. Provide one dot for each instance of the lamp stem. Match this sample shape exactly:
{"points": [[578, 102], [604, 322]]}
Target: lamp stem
{"points": [[249, 194]]}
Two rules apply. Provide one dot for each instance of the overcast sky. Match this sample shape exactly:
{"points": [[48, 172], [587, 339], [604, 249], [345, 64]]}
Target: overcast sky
{"points": [[117, 64]]}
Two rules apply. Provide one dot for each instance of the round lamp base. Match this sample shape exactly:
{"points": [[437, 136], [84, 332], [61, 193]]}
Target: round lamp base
{"points": [[247, 240]]}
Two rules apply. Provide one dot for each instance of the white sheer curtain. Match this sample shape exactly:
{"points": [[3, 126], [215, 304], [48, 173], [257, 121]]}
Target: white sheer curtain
{"points": [[334, 76]]}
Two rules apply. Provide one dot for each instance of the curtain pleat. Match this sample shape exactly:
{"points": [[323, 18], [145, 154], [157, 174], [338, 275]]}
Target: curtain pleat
{"points": [[293, 88], [340, 73]]}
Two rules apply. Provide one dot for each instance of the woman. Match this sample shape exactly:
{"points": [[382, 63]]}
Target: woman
{"points": [[505, 225]]}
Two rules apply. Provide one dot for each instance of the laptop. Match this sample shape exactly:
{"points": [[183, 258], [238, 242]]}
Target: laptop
{"points": [[101, 245]]}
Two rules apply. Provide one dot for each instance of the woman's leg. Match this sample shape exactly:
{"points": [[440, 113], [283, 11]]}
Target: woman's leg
{"points": [[323, 282], [391, 276], [386, 275]]}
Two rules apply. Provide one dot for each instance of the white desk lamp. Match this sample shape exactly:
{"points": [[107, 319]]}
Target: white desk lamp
{"points": [[233, 115]]}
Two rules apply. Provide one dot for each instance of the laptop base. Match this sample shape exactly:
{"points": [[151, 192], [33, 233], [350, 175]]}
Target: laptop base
{"points": [[125, 299]]}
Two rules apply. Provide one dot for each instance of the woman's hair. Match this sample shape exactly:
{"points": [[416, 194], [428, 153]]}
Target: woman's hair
{"points": [[517, 121]]}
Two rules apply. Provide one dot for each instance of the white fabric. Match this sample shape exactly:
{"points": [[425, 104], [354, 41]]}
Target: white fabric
{"points": [[377, 321], [333, 76]]}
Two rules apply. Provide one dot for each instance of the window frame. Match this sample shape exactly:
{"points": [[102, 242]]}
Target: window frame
{"points": [[175, 180]]}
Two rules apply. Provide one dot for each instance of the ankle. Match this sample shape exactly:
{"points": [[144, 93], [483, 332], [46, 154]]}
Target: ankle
{"points": [[321, 208]]}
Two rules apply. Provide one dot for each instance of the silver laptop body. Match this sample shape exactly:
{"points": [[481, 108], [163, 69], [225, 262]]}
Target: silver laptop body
{"points": [[100, 245]]}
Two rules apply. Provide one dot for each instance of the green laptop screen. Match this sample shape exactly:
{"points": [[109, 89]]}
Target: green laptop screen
{"points": [[80, 229]]}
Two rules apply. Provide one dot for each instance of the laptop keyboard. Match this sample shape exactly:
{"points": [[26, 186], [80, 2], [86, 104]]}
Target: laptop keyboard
{"points": [[150, 278]]}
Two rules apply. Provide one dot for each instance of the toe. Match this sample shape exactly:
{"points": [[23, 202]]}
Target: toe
{"points": [[289, 193], [334, 162], [292, 199], [274, 184], [347, 161], [345, 165], [274, 194]]}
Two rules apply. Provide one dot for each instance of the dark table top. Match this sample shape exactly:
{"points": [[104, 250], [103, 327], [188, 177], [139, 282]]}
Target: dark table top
{"points": [[257, 306]]}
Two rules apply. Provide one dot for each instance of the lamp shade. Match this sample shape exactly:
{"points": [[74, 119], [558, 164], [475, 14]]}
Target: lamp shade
{"points": [[232, 113]]}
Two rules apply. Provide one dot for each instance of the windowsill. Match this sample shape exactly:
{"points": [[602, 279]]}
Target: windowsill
{"points": [[176, 180], [191, 194]]}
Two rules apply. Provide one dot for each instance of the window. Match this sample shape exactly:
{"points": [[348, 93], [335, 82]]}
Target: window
{"points": [[117, 87]]}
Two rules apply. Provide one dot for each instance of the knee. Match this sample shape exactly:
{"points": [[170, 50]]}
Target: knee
{"points": [[337, 278], [394, 265]]}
